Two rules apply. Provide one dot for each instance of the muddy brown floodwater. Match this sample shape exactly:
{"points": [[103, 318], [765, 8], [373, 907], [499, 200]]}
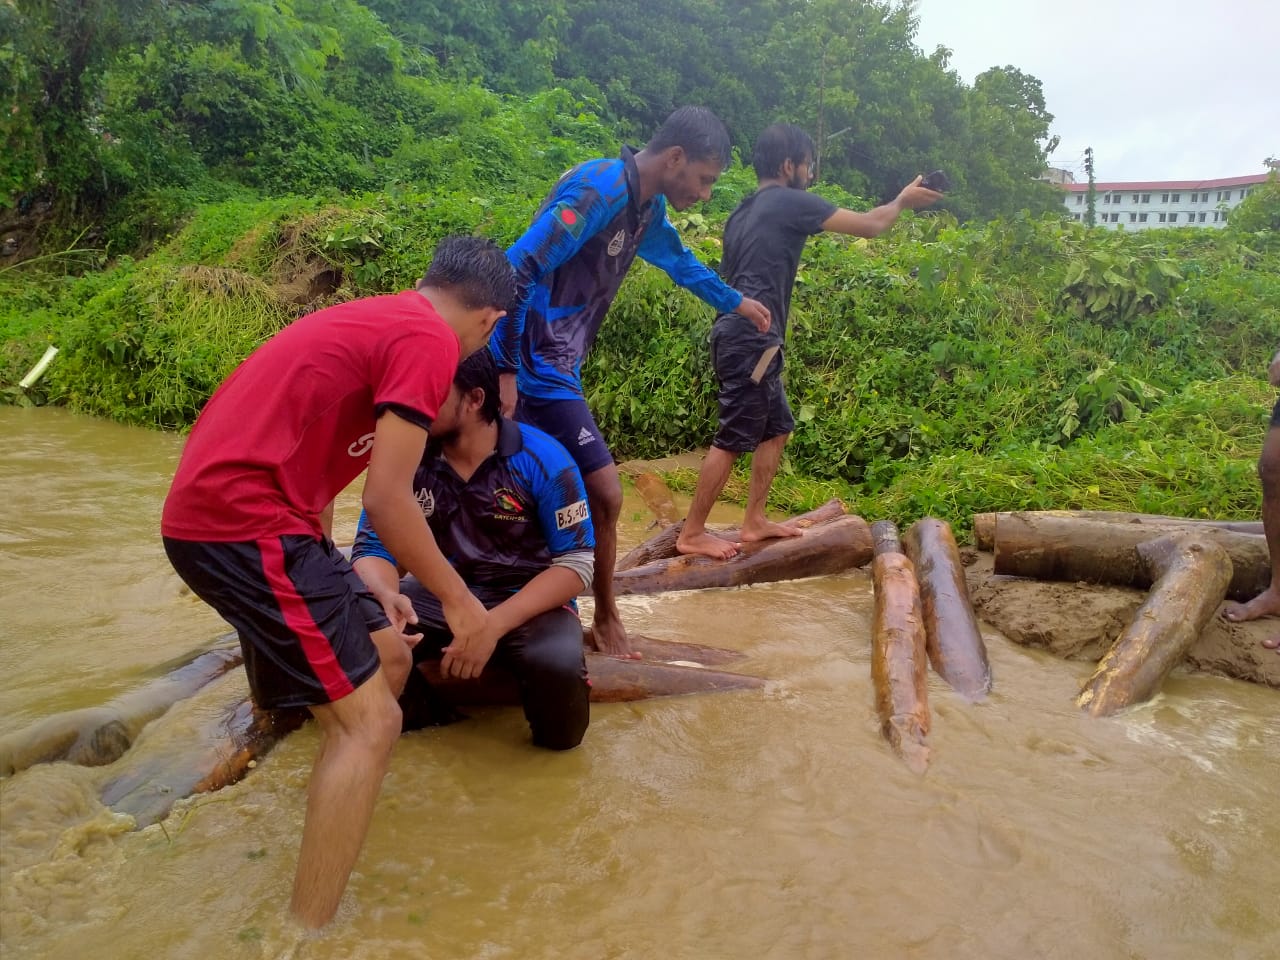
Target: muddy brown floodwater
{"points": [[763, 824]]}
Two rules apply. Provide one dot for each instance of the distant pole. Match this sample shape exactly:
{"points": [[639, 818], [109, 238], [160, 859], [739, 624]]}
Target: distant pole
{"points": [[1091, 210]]}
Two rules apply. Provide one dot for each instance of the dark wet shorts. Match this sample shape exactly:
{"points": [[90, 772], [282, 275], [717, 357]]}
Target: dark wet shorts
{"points": [[303, 615], [753, 403], [570, 422], [1275, 415]]}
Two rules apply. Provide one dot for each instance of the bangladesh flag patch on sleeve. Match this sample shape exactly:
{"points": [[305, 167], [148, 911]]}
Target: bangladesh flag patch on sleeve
{"points": [[569, 218]]}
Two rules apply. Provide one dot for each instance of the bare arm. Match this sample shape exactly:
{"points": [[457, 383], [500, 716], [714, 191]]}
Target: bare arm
{"points": [[877, 221], [552, 588]]}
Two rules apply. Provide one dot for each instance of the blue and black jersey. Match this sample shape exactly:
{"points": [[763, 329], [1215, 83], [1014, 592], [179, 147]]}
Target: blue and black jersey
{"points": [[570, 263], [522, 508]]}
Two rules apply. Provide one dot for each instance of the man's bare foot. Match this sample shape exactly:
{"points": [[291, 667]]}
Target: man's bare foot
{"points": [[1265, 604], [706, 545], [1272, 644], [755, 532], [609, 636]]}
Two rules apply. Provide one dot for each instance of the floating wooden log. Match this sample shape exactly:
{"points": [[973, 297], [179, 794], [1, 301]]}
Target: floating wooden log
{"points": [[669, 651], [662, 545], [612, 681], [1190, 574], [219, 754], [898, 652], [1096, 551], [822, 549], [984, 524], [95, 736], [656, 494], [952, 638]]}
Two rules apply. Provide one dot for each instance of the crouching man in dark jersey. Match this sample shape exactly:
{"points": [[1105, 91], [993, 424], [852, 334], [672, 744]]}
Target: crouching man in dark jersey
{"points": [[246, 525], [569, 264], [507, 507], [763, 239]]}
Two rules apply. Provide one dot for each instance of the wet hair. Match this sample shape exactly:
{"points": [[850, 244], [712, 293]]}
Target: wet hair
{"points": [[776, 145], [474, 269], [698, 132], [480, 371]]}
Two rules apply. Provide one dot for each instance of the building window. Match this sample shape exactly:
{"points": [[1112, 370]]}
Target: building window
{"points": [[1115, 218], [1241, 194], [1177, 198], [1224, 216], [1075, 216], [1133, 218], [1142, 218], [1162, 218], [1215, 216], [1146, 198], [1164, 198], [1202, 216], [1135, 198], [1079, 199], [1204, 197]]}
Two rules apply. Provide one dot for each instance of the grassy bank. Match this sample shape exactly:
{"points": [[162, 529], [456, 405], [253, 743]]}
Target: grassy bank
{"points": [[940, 369]]}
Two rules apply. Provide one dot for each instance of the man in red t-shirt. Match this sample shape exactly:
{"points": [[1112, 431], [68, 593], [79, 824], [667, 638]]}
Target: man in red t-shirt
{"points": [[246, 525]]}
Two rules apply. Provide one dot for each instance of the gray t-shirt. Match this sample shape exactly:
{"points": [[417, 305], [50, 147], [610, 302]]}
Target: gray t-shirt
{"points": [[763, 240]]}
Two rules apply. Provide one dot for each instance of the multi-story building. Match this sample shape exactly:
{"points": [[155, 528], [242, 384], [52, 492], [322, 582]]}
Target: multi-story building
{"points": [[1145, 204]]}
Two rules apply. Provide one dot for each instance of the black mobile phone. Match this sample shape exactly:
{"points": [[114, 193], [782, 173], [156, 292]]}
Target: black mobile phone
{"points": [[936, 181]]}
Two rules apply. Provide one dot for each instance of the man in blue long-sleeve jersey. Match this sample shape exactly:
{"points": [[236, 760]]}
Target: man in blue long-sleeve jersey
{"points": [[569, 264]]}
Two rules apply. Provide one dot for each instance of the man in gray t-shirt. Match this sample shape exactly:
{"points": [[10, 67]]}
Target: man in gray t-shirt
{"points": [[763, 240]]}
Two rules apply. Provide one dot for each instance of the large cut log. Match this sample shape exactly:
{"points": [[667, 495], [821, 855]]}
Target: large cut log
{"points": [[95, 736], [1096, 551], [612, 681], [898, 655], [673, 651], [656, 494], [984, 524], [662, 545], [823, 549], [952, 638], [218, 755], [1190, 575]]}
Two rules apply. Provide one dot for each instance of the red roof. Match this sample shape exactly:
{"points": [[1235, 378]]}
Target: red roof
{"points": [[1122, 186]]}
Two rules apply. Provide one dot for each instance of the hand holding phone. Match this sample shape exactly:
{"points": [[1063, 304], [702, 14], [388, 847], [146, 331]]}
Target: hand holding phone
{"points": [[936, 181]]}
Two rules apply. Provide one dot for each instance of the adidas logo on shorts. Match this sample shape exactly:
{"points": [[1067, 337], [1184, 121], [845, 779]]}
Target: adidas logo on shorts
{"points": [[585, 436]]}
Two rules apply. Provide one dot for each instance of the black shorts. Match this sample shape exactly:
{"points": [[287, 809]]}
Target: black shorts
{"points": [[570, 422], [303, 616], [751, 410], [1275, 415]]}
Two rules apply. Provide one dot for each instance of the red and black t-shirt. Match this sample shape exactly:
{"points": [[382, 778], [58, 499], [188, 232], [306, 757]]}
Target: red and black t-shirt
{"points": [[294, 423]]}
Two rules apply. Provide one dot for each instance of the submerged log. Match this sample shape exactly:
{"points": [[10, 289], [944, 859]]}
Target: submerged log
{"points": [[826, 548], [1190, 574], [952, 638], [612, 681], [657, 496], [984, 524], [95, 736], [898, 656], [662, 545], [220, 754], [672, 651], [224, 749], [1096, 551]]}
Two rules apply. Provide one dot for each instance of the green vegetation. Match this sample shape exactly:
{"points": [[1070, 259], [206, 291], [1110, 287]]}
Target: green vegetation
{"points": [[204, 173]]}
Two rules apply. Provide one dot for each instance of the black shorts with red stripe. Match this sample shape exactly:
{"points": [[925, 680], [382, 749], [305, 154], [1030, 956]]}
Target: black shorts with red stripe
{"points": [[303, 616]]}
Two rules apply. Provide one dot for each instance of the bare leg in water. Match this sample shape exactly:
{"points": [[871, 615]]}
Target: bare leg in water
{"points": [[604, 494], [1267, 603]]}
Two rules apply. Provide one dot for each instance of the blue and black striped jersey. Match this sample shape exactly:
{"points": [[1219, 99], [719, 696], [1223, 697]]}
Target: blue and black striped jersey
{"points": [[521, 509], [570, 263]]}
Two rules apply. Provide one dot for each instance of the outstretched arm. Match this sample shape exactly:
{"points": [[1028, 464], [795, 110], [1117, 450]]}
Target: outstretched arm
{"points": [[877, 221]]}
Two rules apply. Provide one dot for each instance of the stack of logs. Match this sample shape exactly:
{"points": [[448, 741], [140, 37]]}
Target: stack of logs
{"points": [[1189, 567], [923, 616]]}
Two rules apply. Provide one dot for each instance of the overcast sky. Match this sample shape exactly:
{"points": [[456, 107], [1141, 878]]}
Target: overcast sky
{"points": [[1172, 90]]}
